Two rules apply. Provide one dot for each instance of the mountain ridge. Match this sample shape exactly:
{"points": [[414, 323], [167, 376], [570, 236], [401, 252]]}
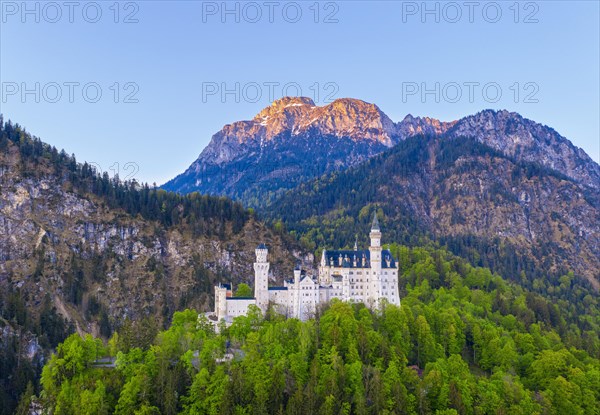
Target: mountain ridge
{"points": [[347, 132]]}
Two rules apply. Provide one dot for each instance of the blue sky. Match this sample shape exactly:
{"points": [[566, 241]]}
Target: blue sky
{"points": [[166, 64]]}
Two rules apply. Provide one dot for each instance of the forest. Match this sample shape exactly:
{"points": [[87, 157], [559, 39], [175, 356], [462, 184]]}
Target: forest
{"points": [[205, 215], [463, 341], [28, 331]]}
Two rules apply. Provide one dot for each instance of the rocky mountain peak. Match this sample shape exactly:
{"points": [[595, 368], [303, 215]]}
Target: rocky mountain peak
{"points": [[355, 119], [490, 120], [295, 116], [285, 106], [411, 126], [345, 117], [291, 102], [523, 139]]}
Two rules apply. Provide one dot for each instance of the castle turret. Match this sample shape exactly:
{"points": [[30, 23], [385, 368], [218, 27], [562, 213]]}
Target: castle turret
{"points": [[296, 292], [375, 234], [221, 302], [261, 277], [297, 275], [375, 251]]}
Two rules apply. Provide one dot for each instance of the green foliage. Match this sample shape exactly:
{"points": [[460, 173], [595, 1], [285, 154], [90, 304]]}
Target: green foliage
{"points": [[135, 333], [243, 290], [461, 343], [25, 400], [72, 384], [17, 372]]}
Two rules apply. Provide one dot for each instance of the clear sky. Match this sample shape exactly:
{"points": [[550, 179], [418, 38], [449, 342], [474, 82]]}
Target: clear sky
{"points": [[166, 65]]}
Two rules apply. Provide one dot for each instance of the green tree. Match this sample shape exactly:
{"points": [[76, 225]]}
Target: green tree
{"points": [[243, 290], [425, 343]]}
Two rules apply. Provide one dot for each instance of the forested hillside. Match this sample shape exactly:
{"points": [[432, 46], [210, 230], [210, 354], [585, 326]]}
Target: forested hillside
{"points": [[83, 252], [464, 341], [528, 223], [37, 160]]}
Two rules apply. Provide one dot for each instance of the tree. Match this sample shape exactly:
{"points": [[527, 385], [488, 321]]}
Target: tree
{"points": [[565, 396], [243, 290], [25, 401], [425, 342]]}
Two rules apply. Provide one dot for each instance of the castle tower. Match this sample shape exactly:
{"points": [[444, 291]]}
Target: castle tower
{"points": [[261, 278], [324, 271], [221, 302], [297, 275], [375, 251], [296, 292]]}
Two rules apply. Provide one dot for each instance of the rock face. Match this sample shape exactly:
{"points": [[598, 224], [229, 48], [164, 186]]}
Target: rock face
{"points": [[411, 126], [296, 117], [293, 140], [74, 247], [523, 139]]}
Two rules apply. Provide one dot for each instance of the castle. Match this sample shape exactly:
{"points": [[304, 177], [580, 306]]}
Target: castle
{"points": [[366, 276]]}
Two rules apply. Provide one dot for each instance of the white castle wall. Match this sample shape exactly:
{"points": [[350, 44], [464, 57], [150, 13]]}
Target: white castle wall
{"points": [[238, 306], [359, 276]]}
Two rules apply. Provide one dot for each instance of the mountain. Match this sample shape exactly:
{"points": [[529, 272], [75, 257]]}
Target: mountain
{"points": [[86, 253], [513, 216], [294, 140], [285, 144]]}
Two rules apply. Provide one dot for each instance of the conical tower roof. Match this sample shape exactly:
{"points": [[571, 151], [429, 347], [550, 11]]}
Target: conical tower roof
{"points": [[375, 225]]}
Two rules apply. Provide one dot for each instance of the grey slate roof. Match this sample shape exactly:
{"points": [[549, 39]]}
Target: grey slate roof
{"points": [[375, 224], [348, 258]]}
